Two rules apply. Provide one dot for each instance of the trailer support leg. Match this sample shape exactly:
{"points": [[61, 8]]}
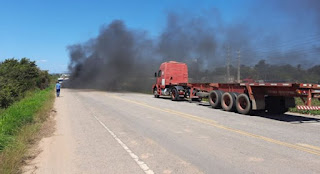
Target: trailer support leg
{"points": [[250, 93], [191, 94], [309, 99]]}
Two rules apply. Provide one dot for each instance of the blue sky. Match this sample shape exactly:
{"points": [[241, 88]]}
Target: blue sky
{"points": [[41, 30]]}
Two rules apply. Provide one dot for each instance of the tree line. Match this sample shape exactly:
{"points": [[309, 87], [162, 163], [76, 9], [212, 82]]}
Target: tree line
{"points": [[262, 71], [19, 76]]}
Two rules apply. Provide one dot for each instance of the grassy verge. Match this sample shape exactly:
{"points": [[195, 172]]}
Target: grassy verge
{"points": [[315, 102], [19, 125]]}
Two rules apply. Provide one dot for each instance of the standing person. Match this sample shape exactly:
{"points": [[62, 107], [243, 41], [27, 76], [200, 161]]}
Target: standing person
{"points": [[58, 86]]}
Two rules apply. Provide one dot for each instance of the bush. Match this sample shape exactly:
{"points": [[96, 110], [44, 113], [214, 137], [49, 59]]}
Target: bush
{"points": [[17, 77]]}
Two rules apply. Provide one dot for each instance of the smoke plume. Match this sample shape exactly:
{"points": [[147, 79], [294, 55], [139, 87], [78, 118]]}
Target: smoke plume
{"points": [[125, 59], [118, 59]]}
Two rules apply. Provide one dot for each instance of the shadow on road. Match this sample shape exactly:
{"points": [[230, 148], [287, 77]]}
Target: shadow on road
{"points": [[169, 98], [287, 117]]}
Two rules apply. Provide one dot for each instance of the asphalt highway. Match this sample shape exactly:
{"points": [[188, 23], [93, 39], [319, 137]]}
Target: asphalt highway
{"points": [[125, 133]]}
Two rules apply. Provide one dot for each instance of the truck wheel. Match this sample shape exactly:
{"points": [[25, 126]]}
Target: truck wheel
{"points": [[215, 99], [174, 94], [228, 101], [243, 104], [155, 93]]}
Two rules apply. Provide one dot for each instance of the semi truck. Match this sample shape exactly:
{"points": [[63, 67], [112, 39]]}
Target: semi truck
{"points": [[244, 98]]}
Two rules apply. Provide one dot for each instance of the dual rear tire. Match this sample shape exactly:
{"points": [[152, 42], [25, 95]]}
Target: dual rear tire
{"points": [[243, 104], [230, 101], [215, 98]]}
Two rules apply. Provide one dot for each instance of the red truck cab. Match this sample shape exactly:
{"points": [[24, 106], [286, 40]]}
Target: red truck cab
{"points": [[170, 74]]}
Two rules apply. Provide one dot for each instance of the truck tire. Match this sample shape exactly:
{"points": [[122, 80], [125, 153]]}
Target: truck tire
{"points": [[174, 94], [243, 104], [215, 99], [155, 92], [228, 101]]}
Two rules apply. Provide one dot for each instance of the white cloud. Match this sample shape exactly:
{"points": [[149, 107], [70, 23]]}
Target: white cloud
{"points": [[42, 61]]}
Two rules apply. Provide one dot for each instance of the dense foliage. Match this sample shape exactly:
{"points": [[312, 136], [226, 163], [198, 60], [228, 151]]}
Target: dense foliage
{"points": [[17, 77]]}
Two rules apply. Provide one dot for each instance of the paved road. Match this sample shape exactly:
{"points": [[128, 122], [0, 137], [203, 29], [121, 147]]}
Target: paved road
{"points": [[101, 132]]}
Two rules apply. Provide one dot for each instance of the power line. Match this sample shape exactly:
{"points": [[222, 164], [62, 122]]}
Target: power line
{"points": [[228, 64], [276, 48], [238, 77], [310, 38]]}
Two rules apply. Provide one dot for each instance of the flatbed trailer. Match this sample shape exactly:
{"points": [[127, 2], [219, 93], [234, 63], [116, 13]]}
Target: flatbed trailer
{"points": [[172, 80]]}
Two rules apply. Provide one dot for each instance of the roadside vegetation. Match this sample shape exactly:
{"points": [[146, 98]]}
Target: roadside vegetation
{"points": [[18, 77], [26, 97], [315, 102]]}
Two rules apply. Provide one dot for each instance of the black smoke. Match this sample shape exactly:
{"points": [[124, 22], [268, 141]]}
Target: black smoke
{"points": [[189, 39], [125, 59], [118, 59]]}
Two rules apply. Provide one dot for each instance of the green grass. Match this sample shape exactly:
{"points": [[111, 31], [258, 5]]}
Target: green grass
{"points": [[315, 102], [18, 126]]}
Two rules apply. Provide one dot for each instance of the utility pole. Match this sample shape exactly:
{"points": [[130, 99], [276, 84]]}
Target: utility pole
{"points": [[228, 64], [238, 66]]}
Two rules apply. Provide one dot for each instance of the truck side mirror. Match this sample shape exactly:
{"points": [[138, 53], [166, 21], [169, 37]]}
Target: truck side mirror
{"points": [[155, 74]]}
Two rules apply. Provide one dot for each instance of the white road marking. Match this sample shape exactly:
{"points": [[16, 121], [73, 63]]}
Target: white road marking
{"points": [[141, 164]]}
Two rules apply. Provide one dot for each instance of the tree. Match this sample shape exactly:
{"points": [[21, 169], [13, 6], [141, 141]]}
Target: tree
{"points": [[17, 77]]}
